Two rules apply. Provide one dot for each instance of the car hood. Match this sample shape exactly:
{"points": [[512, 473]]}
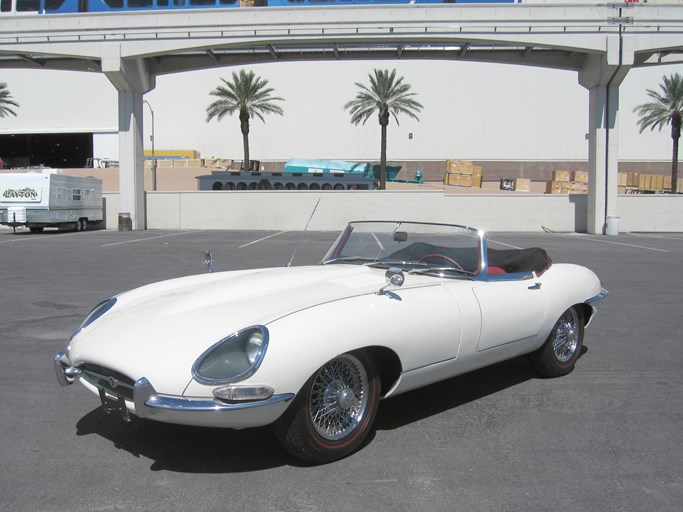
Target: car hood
{"points": [[159, 330]]}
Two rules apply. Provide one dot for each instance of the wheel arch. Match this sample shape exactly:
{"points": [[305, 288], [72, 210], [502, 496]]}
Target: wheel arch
{"points": [[388, 365], [586, 311]]}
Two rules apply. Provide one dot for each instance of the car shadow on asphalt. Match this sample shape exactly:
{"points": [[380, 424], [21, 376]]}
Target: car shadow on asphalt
{"points": [[188, 449], [421, 403], [213, 450]]}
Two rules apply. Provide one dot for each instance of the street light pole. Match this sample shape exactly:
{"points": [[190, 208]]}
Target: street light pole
{"points": [[154, 160]]}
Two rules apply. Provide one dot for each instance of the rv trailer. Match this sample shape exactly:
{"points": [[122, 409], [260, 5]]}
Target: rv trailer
{"points": [[39, 200]]}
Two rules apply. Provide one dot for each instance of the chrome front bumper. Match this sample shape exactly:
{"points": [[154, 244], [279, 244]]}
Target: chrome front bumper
{"points": [[148, 403], [594, 302]]}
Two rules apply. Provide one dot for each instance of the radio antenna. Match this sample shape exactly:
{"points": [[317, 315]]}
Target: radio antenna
{"points": [[303, 233]]}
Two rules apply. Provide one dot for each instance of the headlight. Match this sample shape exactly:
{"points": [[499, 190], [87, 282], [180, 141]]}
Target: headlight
{"points": [[96, 313], [233, 358]]}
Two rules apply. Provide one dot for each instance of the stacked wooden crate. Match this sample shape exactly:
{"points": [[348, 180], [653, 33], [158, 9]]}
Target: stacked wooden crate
{"points": [[462, 173], [568, 182], [638, 183]]}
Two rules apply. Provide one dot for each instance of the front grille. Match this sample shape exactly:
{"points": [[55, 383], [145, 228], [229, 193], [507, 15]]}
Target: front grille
{"points": [[110, 380]]}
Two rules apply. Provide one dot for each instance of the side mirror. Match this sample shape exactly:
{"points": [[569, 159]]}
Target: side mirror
{"points": [[394, 277]]}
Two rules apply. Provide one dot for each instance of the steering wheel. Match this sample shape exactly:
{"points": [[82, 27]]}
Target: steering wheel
{"points": [[440, 256]]}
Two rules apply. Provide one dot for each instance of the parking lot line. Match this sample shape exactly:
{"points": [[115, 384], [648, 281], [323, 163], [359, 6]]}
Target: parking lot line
{"points": [[150, 238], [28, 238], [624, 244], [261, 239], [503, 243]]}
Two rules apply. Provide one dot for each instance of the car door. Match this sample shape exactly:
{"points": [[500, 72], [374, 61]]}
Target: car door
{"points": [[510, 311]]}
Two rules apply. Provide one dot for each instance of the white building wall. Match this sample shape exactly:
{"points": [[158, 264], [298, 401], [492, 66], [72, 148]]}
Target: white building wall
{"points": [[471, 111]]}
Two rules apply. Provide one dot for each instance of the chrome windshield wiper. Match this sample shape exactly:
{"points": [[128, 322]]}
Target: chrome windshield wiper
{"points": [[389, 263], [441, 270], [349, 259]]}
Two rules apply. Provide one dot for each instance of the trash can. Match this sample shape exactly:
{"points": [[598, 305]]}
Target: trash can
{"points": [[125, 222], [612, 225]]}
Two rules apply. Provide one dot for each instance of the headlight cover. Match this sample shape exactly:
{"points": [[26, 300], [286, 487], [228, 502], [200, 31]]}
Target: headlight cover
{"points": [[233, 358], [96, 313]]}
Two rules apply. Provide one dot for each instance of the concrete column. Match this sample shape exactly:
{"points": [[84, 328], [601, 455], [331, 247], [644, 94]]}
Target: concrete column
{"points": [[132, 80], [131, 158], [602, 75]]}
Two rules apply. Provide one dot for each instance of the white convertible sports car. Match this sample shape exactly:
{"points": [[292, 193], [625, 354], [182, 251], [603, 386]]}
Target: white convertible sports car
{"points": [[393, 306]]}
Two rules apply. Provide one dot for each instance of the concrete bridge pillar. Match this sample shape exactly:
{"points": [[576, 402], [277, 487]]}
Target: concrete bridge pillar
{"points": [[131, 80], [602, 75]]}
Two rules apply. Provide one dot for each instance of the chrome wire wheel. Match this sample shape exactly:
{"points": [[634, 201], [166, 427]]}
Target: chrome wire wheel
{"points": [[339, 397], [565, 337], [563, 346]]}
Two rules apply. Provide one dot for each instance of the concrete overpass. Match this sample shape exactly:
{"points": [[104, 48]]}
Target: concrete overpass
{"points": [[601, 43]]}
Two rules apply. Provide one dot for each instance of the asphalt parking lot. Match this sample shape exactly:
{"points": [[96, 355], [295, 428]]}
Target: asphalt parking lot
{"points": [[607, 437]]}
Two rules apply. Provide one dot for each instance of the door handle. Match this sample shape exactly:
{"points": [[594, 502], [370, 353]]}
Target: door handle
{"points": [[536, 286]]}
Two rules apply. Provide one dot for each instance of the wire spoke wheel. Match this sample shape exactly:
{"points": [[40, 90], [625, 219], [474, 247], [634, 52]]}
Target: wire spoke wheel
{"points": [[565, 336], [339, 397], [333, 413], [562, 349]]}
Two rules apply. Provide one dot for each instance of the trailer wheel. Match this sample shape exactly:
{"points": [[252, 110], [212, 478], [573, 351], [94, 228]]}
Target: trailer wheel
{"points": [[84, 224], [36, 230]]}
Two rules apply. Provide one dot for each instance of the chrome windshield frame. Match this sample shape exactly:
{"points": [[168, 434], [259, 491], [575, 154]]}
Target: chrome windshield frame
{"points": [[335, 253]]}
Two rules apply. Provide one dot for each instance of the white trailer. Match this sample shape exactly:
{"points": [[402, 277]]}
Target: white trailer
{"points": [[39, 200]]}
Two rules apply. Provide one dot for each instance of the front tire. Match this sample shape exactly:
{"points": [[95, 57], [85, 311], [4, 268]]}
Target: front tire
{"points": [[334, 411], [562, 349]]}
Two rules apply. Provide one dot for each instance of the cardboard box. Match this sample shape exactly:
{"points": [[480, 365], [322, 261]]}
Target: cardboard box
{"points": [[476, 181], [622, 179], [560, 175], [459, 180], [580, 176], [633, 179], [576, 187], [557, 187], [522, 185]]}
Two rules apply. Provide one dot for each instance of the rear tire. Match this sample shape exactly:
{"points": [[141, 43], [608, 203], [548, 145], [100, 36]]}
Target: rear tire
{"points": [[334, 411], [562, 349]]}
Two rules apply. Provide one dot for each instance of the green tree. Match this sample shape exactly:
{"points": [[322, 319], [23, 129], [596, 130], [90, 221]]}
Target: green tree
{"points": [[385, 95], [6, 101], [248, 95], [665, 108]]}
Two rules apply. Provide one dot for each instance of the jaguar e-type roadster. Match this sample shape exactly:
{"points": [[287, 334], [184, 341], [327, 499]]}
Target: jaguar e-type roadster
{"points": [[312, 349]]}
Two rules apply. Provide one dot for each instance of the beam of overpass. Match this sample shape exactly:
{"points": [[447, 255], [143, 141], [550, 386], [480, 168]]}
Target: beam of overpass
{"points": [[600, 42]]}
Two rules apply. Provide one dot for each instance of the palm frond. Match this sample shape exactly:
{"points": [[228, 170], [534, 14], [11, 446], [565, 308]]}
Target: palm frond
{"points": [[245, 91], [6, 101]]}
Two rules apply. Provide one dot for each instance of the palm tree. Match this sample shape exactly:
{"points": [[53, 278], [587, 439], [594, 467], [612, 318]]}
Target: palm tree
{"points": [[6, 101], [666, 108], [386, 95], [247, 94]]}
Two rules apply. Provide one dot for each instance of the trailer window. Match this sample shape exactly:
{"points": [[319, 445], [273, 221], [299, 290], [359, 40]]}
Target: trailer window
{"points": [[76, 194], [28, 5]]}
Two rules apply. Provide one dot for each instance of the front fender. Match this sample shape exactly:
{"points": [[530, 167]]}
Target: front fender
{"points": [[422, 325]]}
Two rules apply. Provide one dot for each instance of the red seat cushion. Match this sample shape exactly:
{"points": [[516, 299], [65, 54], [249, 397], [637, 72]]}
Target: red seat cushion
{"points": [[496, 270]]}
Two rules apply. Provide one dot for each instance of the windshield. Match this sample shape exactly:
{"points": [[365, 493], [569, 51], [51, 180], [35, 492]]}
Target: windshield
{"points": [[442, 249]]}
